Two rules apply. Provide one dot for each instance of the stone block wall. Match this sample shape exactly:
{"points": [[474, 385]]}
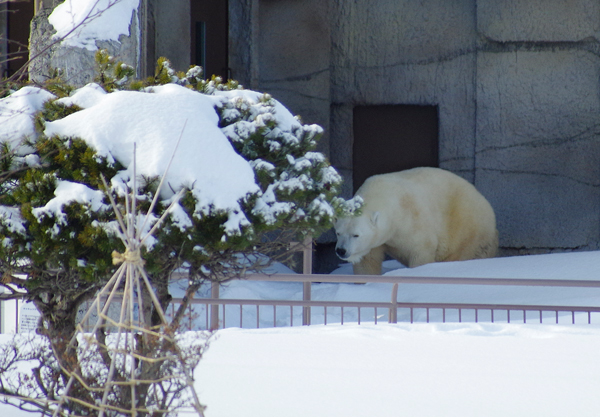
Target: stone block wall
{"points": [[538, 122], [406, 53], [517, 85]]}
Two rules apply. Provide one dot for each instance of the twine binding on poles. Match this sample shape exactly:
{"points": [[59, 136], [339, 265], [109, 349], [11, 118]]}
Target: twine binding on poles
{"points": [[133, 257], [130, 330]]}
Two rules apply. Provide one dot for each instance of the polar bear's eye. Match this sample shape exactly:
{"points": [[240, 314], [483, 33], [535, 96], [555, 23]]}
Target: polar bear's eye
{"points": [[355, 236]]}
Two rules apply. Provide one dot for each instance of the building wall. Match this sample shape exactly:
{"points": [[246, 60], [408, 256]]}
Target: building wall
{"points": [[172, 34], [538, 125], [517, 84]]}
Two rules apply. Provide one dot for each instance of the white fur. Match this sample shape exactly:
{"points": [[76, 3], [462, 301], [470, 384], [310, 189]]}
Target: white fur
{"points": [[417, 216]]}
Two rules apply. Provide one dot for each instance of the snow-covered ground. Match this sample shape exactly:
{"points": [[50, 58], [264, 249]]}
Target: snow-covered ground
{"points": [[565, 266], [421, 370]]}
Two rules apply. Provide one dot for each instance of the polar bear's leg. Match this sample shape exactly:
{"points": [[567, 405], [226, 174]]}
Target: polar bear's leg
{"points": [[423, 254], [370, 264], [421, 259]]}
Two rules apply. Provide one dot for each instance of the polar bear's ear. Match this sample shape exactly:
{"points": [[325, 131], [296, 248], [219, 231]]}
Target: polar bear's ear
{"points": [[374, 217]]}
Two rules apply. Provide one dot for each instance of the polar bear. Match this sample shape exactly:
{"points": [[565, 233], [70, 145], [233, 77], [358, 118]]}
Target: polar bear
{"points": [[417, 216]]}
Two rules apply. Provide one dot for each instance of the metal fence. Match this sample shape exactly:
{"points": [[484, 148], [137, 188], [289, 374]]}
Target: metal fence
{"points": [[214, 312]]}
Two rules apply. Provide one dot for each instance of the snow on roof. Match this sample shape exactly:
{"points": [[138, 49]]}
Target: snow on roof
{"points": [[104, 20]]}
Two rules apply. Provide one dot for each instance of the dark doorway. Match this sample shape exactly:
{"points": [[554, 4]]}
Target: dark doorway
{"points": [[210, 36], [18, 16], [389, 138]]}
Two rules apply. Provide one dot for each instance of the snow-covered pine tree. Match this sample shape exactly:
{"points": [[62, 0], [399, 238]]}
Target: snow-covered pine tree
{"points": [[57, 228]]}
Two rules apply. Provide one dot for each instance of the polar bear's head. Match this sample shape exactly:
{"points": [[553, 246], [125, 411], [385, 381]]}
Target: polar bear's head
{"points": [[356, 236]]}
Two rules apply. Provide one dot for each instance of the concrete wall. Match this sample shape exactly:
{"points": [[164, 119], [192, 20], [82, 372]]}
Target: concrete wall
{"points": [[294, 58], [406, 53], [3, 39], [517, 84], [172, 33], [538, 121], [164, 28], [283, 47]]}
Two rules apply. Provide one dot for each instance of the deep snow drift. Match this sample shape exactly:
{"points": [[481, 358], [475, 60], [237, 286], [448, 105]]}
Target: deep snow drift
{"points": [[419, 370]]}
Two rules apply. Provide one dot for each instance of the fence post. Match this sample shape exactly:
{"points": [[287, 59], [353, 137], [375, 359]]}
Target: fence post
{"points": [[393, 316], [306, 269], [214, 308], [307, 255], [306, 296]]}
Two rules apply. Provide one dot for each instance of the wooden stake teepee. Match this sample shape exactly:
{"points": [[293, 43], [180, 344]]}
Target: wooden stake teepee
{"points": [[139, 357]]}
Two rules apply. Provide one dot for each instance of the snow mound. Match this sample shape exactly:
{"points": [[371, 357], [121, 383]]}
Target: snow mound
{"points": [[205, 161]]}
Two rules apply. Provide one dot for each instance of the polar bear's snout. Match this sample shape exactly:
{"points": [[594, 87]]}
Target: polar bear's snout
{"points": [[342, 253]]}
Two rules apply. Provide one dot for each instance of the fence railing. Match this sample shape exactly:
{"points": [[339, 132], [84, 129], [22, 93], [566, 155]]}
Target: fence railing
{"points": [[215, 312]]}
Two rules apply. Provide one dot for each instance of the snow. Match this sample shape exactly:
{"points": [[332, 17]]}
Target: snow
{"points": [[566, 266], [104, 20], [155, 120], [16, 114], [205, 160], [67, 192], [573, 265], [11, 217], [421, 370], [462, 370], [287, 122], [84, 97]]}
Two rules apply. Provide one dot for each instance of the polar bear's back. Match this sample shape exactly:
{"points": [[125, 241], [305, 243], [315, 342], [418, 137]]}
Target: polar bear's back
{"points": [[427, 205]]}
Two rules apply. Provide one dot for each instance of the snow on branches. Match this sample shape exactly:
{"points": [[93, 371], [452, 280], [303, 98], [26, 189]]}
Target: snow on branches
{"points": [[247, 165]]}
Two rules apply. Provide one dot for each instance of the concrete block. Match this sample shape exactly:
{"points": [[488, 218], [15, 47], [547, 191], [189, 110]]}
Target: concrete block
{"points": [[173, 40], [528, 97], [340, 139], [537, 211], [447, 84], [294, 57], [294, 39], [384, 33], [538, 20], [538, 146], [410, 52]]}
